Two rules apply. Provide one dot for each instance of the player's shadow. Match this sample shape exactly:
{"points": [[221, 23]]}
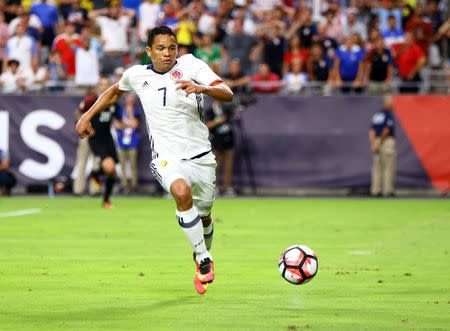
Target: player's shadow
{"points": [[110, 314]]}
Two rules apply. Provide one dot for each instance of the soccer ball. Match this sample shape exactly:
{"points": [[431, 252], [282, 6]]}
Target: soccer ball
{"points": [[298, 264]]}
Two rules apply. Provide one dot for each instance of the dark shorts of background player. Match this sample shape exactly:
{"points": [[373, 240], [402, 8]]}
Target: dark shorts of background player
{"points": [[104, 148], [222, 142]]}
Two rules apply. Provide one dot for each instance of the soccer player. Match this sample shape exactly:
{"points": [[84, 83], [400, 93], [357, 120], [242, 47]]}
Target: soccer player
{"points": [[102, 143], [170, 91]]}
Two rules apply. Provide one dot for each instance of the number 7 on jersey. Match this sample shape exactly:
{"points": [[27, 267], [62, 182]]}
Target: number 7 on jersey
{"points": [[164, 95]]}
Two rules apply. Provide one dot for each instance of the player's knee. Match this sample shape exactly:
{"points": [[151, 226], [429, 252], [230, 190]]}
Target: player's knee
{"points": [[181, 192], [109, 166]]}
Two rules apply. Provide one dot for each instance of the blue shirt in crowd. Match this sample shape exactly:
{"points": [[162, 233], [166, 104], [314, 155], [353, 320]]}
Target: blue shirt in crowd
{"points": [[349, 61], [47, 13], [396, 33], [128, 138], [383, 119]]}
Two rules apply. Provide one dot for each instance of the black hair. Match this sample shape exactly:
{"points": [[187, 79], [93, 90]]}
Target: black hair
{"points": [[157, 31], [13, 61]]}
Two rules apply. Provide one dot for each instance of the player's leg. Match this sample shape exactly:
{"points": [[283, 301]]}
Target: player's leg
{"points": [[109, 169], [188, 217], [208, 230]]}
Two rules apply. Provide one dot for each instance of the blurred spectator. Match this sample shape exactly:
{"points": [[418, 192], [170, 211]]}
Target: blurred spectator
{"points": [[332, 28], [443, 37], [48, 15], [237, 80], [7, 178], [113, 23], [65, 44], [328, 44], [12, 80], [354, 26], [422, 29], [168, 16], [3, 38], [318, 65], [96, 43], [388, 9], [128, 137], [248, 23], [32, 23], [87, 72], [56, 72], [118, 72], [317, 7], [272, 44], [148, 13], [218, 120], [36, 77], [9, 9], [240, 46], [295, 79], [348, 66], [379, 68], [260, 8], [410, 59], [21, 48], [265, 81], [78, 16], [383, 146], [393, 35], [304, 28], [83, 153], [208, 52], [185, 30], [131, 4], [434, 16], [294, 53]]}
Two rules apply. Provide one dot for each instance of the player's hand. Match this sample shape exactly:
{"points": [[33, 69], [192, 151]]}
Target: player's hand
{"points": [[189, 87], [84, 128]]}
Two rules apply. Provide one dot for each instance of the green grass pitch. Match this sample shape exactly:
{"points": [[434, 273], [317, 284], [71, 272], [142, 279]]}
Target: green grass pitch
{"points": [[383, 265]]}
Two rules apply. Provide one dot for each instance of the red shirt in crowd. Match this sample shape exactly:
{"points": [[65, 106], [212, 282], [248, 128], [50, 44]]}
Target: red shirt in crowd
{"points": [[267, 87], [290, 57], [423, 32], [407, 58], [65, 46]]}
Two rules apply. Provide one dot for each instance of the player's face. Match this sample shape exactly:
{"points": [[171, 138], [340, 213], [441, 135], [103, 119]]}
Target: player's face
{"points": [[163, 52]]}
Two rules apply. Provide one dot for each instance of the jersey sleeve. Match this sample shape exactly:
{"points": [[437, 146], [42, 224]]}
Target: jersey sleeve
{"points": [[124, 82], [204, 74]]}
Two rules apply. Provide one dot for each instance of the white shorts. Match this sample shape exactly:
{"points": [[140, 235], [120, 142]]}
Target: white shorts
{"points": [[200, 174]]}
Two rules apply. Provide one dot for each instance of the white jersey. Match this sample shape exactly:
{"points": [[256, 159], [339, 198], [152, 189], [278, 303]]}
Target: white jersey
{"points": [[174, 119]]}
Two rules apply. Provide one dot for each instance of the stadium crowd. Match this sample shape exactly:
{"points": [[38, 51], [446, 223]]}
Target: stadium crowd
{"points": [[271, 45]]}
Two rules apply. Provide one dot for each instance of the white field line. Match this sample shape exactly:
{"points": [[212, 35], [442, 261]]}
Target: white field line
{"points": [[20, 213]]}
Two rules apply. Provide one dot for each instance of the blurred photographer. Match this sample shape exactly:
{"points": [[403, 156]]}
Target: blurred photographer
{"points": [[219, 120]]}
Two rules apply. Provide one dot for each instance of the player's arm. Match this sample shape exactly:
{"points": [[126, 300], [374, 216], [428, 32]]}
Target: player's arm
{"points": [[219, 91], [107, 98]]}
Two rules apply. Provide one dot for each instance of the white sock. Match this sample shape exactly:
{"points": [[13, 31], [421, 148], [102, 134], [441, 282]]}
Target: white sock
{"points": [[192, 226], [208, 233]]}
